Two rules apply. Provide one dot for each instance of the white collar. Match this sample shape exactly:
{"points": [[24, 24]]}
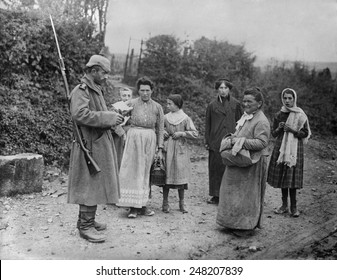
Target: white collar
{"points": [[176, 117], [245, 117]]}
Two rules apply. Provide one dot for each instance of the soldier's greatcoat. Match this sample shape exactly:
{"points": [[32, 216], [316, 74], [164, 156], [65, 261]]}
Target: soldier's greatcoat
{"points": [[90, 112]]}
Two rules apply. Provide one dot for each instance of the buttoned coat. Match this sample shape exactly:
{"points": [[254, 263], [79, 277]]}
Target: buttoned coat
{"points": [[89, 110], [242, 188], [221, 117]]}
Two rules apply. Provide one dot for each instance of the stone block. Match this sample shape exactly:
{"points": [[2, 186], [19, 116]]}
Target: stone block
{"points": [[21, 174]]}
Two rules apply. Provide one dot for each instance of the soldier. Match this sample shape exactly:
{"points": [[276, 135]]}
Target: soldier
{"points": [[90, 113]]}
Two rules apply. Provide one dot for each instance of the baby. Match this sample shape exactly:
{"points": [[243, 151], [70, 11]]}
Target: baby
{"points": [[122, 106], [119, 133]]}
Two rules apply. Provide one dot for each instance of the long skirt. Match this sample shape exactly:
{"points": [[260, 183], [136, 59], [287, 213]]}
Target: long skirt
{"points": [[283, 176], [134, 174], [241, 196], [216, 170]]}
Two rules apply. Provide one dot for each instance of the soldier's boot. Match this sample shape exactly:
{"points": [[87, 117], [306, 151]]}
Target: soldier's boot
{"points": [[98, 226], [87, 225]]}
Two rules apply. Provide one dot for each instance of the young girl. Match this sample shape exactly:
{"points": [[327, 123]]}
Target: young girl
{"points": [[291, 130], [178, 127]]}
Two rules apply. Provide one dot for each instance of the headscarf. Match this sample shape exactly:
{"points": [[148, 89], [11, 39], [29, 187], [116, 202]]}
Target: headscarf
{"points": [[296, 120]]}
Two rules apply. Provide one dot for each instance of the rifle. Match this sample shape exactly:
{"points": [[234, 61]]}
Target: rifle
{"points": [[92, 165]]}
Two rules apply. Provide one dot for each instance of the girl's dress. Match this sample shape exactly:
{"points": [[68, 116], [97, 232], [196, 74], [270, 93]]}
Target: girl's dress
{"points": [[177, 156]]}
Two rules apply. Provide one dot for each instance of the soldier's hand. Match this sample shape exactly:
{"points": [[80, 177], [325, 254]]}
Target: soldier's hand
{"points": [[120, 119]]}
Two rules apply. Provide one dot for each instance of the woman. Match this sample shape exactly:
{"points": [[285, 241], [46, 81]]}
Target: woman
{"points": [[242, 188], [143, 139], [178, 128], [291, 129], [221, 116]]}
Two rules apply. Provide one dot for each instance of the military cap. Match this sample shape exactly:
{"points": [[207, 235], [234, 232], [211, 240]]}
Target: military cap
{"points": [[100, 61]]}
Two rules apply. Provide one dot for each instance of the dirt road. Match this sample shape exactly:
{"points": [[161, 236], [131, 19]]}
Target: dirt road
{"points": [[42, 225]]}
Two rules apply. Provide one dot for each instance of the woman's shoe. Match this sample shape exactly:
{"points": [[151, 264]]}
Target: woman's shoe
{"points": [[242, 233], [132, 213], [295, 213], [182, 207], [282, 210], [146, 211], [166, 208], [213, 200]]}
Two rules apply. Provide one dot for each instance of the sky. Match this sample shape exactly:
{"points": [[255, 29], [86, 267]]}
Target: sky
{"points": [[304, 30]]}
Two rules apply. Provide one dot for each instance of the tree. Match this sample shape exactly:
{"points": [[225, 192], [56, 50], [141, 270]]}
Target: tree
{"points": [[221, 59], [161, 58], [162, 62], [94, 11], [186, 69], [27, 46], [18, 4], [33, 105]]}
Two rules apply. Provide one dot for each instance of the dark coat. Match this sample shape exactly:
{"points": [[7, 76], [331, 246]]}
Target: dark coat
{"points": [[221, 119], [88, 109]]}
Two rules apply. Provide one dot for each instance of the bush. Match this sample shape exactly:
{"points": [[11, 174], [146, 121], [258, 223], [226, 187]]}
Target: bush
{"points": [[34, 115], [34, 121], [27, 46]]}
